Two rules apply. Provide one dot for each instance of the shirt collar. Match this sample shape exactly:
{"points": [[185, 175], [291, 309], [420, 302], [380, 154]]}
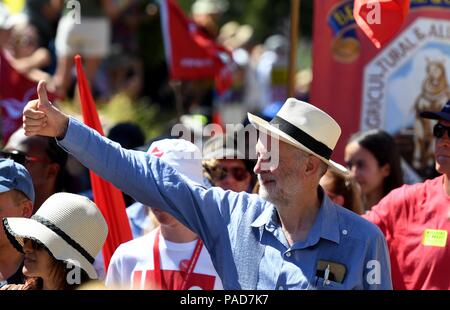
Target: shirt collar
{"points": [[265, 217], [326, 225], [327, 220]]}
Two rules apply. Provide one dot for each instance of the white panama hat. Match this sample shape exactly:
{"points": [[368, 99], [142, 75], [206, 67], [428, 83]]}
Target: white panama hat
{"points": [[306, 127], [70, 226]]}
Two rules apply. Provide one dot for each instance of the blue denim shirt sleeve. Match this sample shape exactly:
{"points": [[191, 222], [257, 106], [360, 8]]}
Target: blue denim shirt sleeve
{"points": [[378, 266]]}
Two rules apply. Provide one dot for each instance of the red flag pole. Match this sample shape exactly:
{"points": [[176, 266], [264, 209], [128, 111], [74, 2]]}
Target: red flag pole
{"points": [[176, 86]]}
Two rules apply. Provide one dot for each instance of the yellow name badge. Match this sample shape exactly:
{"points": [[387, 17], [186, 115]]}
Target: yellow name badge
{"points": [[432, 237]]}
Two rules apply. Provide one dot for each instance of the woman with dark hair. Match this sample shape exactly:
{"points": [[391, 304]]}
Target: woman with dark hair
{"points": [[44, 272], [373, 159], [225, 166], [59, 243]]}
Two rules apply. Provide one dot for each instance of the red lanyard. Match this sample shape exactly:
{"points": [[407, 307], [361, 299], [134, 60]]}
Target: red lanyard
{"points": [[189, 270]]}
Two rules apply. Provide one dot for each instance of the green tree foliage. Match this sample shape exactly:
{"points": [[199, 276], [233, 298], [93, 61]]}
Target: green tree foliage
{"points": [[267, 17]]}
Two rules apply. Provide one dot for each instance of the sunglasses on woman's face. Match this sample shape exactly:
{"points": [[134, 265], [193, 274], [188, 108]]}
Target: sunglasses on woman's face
{"points": [[22, 158], [238, 173], [439, 130]]}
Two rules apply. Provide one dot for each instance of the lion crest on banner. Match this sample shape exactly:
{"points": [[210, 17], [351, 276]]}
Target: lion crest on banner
{"points": [[434, 94]]}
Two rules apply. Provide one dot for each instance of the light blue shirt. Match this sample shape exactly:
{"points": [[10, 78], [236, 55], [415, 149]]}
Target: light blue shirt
{"points": [[338, 235]]}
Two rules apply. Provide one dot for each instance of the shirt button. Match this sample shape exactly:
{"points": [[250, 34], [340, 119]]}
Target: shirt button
{"points": [[288, 254], [345, 232], [280, 288]]}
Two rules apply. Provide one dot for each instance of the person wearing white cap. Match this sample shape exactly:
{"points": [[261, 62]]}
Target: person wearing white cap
{"points": [[292, 237], [170, 257], [174, 152], [59, 242]]}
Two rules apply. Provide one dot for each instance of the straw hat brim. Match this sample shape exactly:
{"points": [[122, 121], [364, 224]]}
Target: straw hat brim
{"points": [[267, 128], [20, 228]]}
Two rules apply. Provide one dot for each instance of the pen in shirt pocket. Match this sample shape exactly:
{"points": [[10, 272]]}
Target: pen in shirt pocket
{"points": [[326, 275]]}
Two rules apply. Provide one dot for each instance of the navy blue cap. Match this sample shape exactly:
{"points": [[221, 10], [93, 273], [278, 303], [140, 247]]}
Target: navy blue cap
{"points": [[443, 115], [15, 176]]}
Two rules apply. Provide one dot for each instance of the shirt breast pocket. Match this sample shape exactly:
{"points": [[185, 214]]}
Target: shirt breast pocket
{"points": [[320, 283]]}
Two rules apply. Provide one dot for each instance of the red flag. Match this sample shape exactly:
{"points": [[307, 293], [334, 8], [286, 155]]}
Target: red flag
{"points": [[15, 91], [191, 54], [380, 20], [108, 198]]}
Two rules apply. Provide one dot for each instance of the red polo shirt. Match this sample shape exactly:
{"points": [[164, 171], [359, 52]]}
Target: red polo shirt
{"points": [[415, 220]]}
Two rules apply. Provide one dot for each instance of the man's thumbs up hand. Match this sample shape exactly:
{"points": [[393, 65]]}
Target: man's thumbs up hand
{"points": [[41, 117]]}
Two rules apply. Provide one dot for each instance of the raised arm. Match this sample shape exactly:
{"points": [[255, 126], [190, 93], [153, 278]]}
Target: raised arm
{"points": [[143, 176]]}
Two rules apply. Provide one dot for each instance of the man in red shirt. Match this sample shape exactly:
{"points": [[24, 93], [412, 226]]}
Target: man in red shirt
{"points": [[416, 220]]}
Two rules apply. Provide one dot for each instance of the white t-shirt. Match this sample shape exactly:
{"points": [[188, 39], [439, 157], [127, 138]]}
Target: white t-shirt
{"points": [[132, 265]]}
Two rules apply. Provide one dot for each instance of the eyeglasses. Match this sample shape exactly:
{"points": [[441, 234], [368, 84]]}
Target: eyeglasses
{"points": [[439, 130], [221, 173], [22, 158]]}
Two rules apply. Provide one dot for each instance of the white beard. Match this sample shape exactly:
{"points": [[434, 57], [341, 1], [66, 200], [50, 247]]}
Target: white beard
{"points": [[263, 193]]}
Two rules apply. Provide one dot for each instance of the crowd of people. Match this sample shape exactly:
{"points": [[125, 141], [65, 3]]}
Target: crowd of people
{"points": [[210, 215], [287, 233]]}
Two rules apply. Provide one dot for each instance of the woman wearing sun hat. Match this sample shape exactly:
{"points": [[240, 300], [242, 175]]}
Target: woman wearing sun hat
{"points": [[59, 242]]}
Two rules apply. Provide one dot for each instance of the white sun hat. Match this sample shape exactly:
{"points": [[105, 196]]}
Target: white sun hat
{"points": [[306, 127], [70, 226], [182, 155]]}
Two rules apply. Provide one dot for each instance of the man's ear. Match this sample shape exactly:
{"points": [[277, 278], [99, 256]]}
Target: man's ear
{"points": [[27, 209], [312, 164]]}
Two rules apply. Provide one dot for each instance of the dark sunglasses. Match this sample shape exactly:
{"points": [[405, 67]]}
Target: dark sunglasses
{"points": [[22, 158], [439, 130], [238, 173]]}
